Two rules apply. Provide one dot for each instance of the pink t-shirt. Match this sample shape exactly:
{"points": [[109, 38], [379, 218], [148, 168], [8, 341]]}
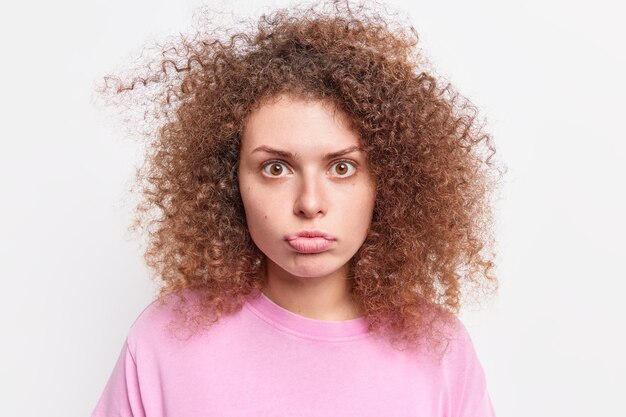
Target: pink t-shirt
{"points": [[267, 361]]}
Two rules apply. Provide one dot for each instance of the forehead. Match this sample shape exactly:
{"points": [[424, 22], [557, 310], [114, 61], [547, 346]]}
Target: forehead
{"points": [[298, 124]]}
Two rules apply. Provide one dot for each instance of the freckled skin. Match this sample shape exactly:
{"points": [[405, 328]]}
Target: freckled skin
{"points": [[287, 195]]}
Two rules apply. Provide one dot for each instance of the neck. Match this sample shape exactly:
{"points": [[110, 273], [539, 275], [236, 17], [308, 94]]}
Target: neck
{"points": [[320, 298]]}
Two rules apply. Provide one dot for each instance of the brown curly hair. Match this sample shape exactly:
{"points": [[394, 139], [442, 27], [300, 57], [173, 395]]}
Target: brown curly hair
{"points": [[430, 241]]}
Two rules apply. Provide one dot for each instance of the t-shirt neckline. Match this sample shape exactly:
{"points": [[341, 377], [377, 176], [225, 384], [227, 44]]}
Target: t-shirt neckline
{"points": [[289, 322]]}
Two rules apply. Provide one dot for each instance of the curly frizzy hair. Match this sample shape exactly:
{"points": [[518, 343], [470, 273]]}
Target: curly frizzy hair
{"points": [[430, 242]]}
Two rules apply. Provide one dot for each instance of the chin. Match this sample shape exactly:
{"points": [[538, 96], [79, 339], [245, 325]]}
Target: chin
{"points": [[311, 273], [311, 268]]}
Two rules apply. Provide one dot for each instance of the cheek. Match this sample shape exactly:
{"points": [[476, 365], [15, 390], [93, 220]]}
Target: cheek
{"points": [[360, 203], [258, 209], [362, 217]]}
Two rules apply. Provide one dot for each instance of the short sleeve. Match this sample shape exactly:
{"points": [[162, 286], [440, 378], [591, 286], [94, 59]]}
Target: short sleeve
{"points": [[121, 396], [466, 379]]}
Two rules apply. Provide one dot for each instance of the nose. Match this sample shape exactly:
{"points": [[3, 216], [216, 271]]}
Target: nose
{"points": [[310, 199]]}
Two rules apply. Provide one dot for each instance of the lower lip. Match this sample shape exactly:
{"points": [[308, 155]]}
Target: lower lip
{"points": [[310, 244]]}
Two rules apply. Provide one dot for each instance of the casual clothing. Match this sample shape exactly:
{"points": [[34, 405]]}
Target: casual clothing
{"points": [[267, 361]]}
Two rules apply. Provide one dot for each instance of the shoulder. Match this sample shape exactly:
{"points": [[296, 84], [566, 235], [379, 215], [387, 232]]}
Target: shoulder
{"points": [[152, 323], [171, 322], [463, 373], [459, 338], [159, 323], [444, 338], [458, 349]]}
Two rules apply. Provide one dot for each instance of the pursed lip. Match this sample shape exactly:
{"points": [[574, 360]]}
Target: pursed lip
{"points": [[310, 234], [310, 241]]}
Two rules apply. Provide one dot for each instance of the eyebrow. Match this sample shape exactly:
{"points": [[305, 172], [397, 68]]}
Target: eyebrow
{"points": [[285, 154]]}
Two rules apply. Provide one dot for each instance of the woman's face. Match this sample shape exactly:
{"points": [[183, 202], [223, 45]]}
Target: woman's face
{"points": [[301, 170]]}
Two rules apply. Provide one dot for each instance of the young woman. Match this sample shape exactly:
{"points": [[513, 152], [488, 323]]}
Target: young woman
{"points": [[317, 210]]}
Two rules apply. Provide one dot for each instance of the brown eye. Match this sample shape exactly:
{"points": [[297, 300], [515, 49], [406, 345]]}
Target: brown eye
{"points": [[274, 169], [343, 168]]}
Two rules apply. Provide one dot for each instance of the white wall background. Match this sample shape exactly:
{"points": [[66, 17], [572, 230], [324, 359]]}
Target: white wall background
{"points": [[547, 75]]}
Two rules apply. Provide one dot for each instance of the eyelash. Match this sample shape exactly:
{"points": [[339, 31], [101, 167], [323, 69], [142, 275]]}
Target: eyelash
{"points": [[344, 161]]}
